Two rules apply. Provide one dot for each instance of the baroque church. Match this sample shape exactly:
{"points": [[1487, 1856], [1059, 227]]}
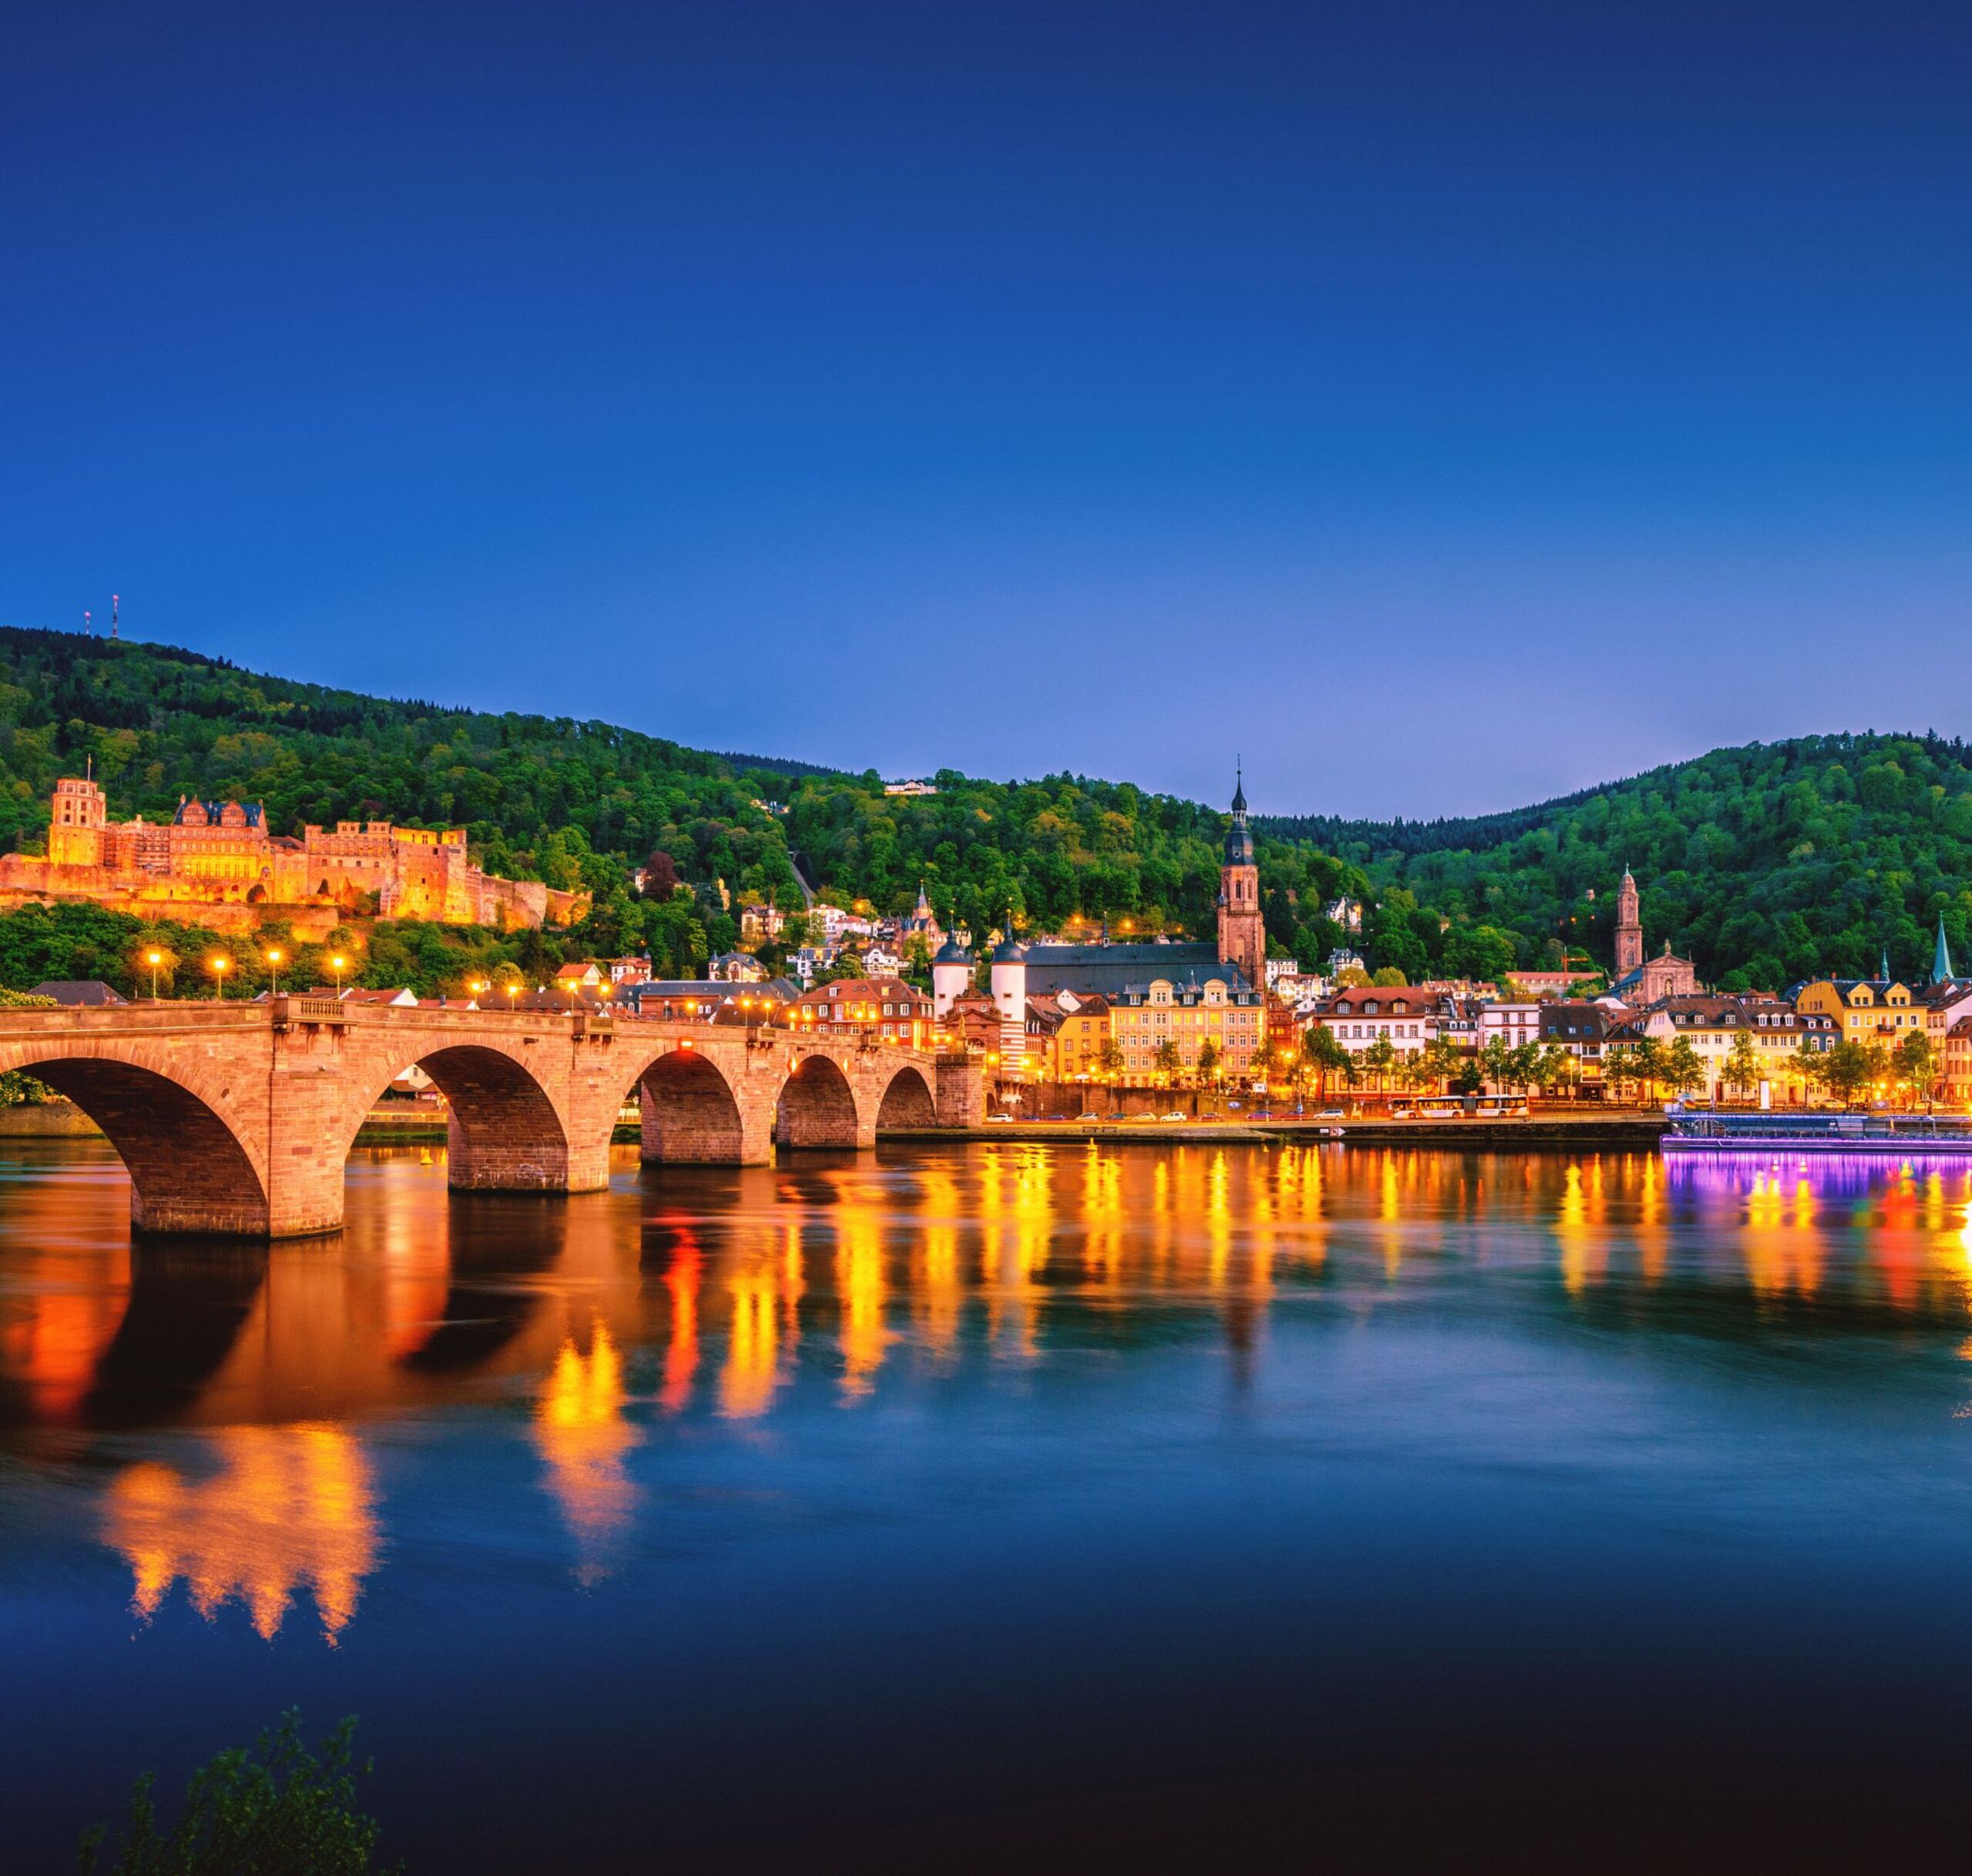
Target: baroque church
{"points": [[1639, 980]]}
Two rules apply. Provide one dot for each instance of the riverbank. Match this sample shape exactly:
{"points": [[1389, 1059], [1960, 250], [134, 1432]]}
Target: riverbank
{"points": [[1640, 1129]]}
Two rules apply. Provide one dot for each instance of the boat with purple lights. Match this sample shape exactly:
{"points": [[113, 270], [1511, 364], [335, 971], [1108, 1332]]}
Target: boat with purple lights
{"points": [[1708, 1133]]}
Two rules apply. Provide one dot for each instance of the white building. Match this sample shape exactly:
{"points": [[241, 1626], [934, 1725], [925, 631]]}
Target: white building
{"points": [[1358, 1017], [1513, 1023]]}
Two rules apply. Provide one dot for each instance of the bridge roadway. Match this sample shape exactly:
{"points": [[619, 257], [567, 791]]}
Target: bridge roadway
{"points": [[237, 1118]]}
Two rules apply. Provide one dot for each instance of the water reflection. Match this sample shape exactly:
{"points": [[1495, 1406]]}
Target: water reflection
{"points": [[701, 1295], [585, 1437], [282, 1509]]}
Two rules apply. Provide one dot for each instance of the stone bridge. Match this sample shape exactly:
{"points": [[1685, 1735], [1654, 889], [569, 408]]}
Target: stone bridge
{"points": [[238, 1117]]}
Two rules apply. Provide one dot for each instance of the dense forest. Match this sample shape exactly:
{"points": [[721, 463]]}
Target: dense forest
{"points": [[1763, 863], [585, 804]]}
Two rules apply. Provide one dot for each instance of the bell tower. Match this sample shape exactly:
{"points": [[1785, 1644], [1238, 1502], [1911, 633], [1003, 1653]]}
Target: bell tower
{"points": [[1629, 928], [1242, 934]]}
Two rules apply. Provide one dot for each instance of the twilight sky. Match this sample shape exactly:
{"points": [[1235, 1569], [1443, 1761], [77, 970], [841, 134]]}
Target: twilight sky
{"points": [[1446, 406]]}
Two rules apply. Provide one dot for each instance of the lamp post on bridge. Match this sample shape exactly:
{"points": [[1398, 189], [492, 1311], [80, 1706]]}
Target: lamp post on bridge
{"points": [[155, 959], [274, 964], [220, 966]]}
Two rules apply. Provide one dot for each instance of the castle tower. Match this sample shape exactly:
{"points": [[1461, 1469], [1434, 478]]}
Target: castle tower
{"points": [[1629, 928], [76, 818], [1241, 933]]}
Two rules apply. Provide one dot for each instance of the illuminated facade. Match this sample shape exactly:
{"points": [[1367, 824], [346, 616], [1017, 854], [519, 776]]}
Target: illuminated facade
{"points": [[884, 1008], [218, 854], [1230, 1015], [1864, 1009]]}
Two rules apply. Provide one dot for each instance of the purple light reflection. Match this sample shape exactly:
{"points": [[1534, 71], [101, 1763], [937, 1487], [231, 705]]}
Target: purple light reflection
{"points": [[1740, 1171]]}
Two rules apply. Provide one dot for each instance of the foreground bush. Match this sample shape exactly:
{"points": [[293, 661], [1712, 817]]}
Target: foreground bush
{"points": [[275, 1810]]}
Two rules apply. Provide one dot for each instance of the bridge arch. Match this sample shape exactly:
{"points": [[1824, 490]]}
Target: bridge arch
{"points": [[691, 1115], [503, 1130], [908, 1100], [817, 1107], [190, 1168]]}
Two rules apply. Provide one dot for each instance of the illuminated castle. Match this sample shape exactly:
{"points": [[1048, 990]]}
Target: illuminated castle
{"points": [[219, 854]]}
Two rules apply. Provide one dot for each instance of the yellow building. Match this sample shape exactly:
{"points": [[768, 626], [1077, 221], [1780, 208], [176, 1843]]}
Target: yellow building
{"points": [[1864, 1009], [1187, 1015], [1066, 1045]]}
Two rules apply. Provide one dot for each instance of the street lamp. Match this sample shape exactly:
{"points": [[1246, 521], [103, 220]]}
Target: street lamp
{"points": [[154, 959], [220, 966], [513, 990], [274, 964], [338, 964]]}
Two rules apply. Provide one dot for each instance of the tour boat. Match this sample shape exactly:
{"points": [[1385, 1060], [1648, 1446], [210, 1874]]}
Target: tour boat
{"points": [[1947, 1136]]}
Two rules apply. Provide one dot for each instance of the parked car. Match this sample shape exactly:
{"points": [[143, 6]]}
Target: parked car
{"points": [[1174, 1115], [1005, 1119]]}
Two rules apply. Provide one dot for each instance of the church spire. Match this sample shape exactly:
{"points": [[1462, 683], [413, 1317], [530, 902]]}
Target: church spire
{"points": [[1883, 970], [1941, 970], [1239, 786]]}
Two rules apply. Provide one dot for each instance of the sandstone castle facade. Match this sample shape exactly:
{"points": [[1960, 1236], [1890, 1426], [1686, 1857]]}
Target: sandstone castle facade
{"points": [[219, 856]]}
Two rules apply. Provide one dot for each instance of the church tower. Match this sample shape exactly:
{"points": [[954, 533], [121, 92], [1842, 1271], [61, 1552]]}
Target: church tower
{"points": [[1241, 936], [1629, 928]]}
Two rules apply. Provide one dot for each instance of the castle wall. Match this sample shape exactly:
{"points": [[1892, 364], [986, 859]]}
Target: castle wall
{"points": [[203, 863]]}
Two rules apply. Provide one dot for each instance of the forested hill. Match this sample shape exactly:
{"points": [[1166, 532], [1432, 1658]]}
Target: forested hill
{"points": [[1764, 863], [584, 803]]}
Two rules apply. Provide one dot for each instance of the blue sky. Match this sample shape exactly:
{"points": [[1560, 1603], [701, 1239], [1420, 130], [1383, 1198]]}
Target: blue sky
{"points": [[1445, 407]]}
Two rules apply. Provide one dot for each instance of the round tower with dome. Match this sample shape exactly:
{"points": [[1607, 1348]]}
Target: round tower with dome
{"points": [[1010, 976], [951, 973]]}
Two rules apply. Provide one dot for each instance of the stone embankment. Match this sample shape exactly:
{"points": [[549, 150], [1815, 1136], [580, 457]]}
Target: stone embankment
{"points": [[1637, 1130]]}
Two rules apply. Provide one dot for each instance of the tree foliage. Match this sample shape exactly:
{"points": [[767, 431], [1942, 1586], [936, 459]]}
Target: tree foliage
{"points": [[273, 1810], [1764, 864]]}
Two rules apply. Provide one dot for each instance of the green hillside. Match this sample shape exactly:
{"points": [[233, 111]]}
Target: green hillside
{"points": [[1764, 863], [585, 804]]}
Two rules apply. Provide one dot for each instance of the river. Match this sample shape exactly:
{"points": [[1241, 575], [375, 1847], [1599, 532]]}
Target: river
{"points": [[1058, 1504]]}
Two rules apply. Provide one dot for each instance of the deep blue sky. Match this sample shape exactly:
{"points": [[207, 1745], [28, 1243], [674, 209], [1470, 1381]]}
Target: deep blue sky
{"points": [[1447, 407]]}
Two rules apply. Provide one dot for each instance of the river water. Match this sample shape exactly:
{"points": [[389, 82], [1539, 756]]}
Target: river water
{"points": [[1070, 1505]]}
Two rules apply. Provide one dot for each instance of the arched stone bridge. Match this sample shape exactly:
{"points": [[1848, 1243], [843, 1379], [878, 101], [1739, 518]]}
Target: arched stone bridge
{"points": [[238, 1117]]}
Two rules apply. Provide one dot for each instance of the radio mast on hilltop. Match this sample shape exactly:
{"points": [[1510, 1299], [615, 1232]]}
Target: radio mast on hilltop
{"points": [[114, 603]]}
